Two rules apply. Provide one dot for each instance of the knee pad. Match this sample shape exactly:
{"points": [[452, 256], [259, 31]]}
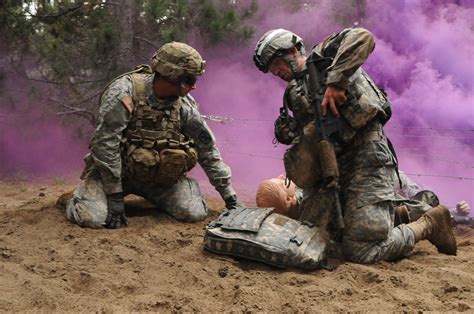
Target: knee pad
{"points": [[88, 206], [357, 252], [191, 211], [79, 213], [368, 223]]}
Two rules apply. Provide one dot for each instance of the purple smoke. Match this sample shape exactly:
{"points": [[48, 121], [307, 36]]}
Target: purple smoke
{"points": [[423, 58], [34, 142]]}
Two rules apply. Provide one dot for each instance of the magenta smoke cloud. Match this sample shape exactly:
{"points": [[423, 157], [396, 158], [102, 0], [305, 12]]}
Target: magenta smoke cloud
{"points": [[423, 58]]}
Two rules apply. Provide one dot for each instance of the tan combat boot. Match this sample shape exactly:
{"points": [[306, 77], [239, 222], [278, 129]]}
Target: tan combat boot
{"points": [[63, 199], [435, 226]]}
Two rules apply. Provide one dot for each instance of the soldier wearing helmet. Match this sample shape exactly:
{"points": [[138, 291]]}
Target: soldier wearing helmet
{"points": [[367, 166], [149, 134]]}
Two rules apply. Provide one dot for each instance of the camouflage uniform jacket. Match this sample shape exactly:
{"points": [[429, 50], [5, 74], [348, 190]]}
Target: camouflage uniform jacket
{"points": [[359, 118], [114, 116]]}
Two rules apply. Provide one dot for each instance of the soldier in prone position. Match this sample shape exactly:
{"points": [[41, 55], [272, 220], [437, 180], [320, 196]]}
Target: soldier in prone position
{"points": [[367, 167], [149, 134]]}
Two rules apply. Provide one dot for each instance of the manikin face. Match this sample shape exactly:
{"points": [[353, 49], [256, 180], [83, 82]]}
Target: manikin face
{"points": [[274, 193], [289, 191]]}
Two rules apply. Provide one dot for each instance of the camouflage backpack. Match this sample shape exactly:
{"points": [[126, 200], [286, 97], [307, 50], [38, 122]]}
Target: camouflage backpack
{"points": [[274, 239]]}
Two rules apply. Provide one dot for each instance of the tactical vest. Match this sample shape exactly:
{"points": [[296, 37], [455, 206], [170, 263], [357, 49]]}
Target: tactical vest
{"points": [[258, 234], [154, 149]]}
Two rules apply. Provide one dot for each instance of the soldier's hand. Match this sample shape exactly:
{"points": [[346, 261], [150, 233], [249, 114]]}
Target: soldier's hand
{"points": [[115, 212], [232, 202], [333, 97]]}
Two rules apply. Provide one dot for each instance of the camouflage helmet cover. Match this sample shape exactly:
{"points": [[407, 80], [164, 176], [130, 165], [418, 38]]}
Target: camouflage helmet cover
{"points": [[175, 60], [273, 43]]}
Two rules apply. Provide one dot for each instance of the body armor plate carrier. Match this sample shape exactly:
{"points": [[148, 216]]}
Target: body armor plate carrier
{"points": [[155, 150], [259, 234]]}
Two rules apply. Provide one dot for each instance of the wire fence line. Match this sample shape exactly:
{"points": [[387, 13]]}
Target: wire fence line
{"points": [[428, 128], [432, 136], [413, 174], [226, 119], [439, 176], [451, 161]]}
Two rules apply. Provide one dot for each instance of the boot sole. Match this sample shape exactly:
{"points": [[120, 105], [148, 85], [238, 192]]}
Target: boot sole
{"points": [[448, 249]]}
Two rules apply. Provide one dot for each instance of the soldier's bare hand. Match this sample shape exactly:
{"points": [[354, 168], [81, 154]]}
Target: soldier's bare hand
{"points": [[333, 96]]}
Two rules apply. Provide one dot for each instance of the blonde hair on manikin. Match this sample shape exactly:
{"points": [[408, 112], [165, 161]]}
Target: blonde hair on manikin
{"points": [[274, 193]]}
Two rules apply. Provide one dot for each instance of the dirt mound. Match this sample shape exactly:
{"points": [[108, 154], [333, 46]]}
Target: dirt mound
{"points": [[158, 264]]}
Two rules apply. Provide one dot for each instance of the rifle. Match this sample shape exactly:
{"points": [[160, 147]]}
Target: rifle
{"points": [[326, 127]]}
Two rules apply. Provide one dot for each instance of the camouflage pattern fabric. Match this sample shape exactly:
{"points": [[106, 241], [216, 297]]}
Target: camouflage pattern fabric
{"points": [[88, 205], [419, 204], [274, 42], [256, 233], [418, 199], [113, 119], [175, 60], [183, 201], [104, 162], [366, 165]]}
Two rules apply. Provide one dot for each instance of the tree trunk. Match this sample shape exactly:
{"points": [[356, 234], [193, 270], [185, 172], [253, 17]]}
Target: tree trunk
{"points": [[125, 17]]}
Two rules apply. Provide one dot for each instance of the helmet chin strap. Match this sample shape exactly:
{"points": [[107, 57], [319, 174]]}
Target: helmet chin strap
{"points": [[179, 86], [291, 59]]}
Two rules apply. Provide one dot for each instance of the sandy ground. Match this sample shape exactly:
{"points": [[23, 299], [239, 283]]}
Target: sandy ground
{"points": [[157, 264]]}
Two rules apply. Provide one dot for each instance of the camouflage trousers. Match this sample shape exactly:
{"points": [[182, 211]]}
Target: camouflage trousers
{"points": [[183, 201], [369, 200]]}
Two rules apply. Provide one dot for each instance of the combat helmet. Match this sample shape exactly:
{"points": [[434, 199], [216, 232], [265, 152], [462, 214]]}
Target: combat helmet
{"points": [[273, 44], [176, 60]]}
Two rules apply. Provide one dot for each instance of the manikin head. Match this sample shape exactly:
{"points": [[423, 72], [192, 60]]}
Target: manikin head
{"points": [[281, 52], [177, 67], [274, 193]]}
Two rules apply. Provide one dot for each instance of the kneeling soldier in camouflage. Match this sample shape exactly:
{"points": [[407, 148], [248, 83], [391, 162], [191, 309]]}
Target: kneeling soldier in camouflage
{"points": [[149, 135], [367, 167]]}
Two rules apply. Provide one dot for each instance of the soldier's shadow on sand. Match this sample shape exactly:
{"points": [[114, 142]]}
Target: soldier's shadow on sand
{"points": [[136, 206]]}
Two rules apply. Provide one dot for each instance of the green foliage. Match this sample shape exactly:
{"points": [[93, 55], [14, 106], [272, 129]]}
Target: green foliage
{"points": [[221, 21], [80, 45], [216, 21], [70, 35], [169, 17], [14, 24], [171, 32], [105, 38]]}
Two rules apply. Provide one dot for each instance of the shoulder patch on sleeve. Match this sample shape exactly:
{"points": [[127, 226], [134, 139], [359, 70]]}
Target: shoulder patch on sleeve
{"points": [[127, 103], [204, 137]]}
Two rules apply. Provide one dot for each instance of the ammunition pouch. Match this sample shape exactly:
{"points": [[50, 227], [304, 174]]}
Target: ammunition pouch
{"points": [[303, 161], [274, 239], [165, 167], [174, 165], [142, 163]]}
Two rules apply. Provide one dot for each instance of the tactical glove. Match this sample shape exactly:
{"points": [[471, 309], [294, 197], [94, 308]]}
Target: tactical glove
{"points": [[115, 212], [231, 202], [286, 129]]}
